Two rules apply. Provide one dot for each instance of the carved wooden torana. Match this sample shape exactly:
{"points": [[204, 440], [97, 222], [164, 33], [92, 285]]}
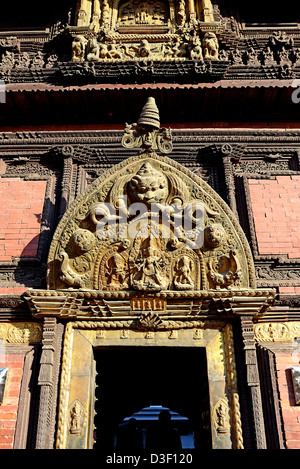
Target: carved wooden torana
{"points": [[113, 254]]}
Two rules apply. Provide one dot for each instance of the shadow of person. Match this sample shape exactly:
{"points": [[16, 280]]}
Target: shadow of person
{"points": [[129, 438], [162, 437]]}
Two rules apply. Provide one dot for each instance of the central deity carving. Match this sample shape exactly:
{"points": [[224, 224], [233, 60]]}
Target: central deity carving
{"points": [[148, 226], [136, 30], [136, 12]]}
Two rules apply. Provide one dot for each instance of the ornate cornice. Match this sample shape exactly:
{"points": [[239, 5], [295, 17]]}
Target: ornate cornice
{"points": [[110, 306]]}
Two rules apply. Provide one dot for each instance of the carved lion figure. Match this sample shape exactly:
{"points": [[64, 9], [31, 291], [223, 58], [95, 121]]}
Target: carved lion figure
{"points": [[210, 46], [214, 235]]}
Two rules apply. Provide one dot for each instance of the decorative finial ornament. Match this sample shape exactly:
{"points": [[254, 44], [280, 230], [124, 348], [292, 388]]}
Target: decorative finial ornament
{"points": [[147, 133], [150, 115]]}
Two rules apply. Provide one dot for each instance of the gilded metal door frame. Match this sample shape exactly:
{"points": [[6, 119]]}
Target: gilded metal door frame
{"points": [[77, 390]]}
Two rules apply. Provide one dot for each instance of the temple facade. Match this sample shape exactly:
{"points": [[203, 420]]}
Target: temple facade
{"points": [[150, 220]]}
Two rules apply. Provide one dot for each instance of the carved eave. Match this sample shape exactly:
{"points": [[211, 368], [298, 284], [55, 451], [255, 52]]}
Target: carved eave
{"points": [[203, 102], [169, 305]]}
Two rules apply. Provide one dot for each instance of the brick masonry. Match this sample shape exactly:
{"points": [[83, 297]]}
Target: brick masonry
{"points": [[9, 407], [21, 206], [276, 214], [290, 411]]}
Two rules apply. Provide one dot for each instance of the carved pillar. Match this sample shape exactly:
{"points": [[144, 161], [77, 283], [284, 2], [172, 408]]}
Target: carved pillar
{"points": [[249, 385], [83, 13], [95, 22], [192, 12], [207, 11], [48, 382]]}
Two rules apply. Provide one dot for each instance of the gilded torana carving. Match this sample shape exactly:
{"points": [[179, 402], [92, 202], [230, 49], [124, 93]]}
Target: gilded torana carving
{"points": [[136, 30], [149, 225]]}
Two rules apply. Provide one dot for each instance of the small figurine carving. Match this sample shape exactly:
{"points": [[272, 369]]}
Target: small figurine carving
{"points": [[76, 271], [196, 49], [267, 57], [221, 417], [78, 49], [223, 55], [236, 56], [183, 279], [144, 48], [77, 418], [181, 16], [51, 61], [210, 46], [8, 61], [284, 57], [279, 40], [103, 53], [92, 49], [224, 271], [114, 52], [23, 60], [179, 49], [95, 21], [105, 13], [116, 272], [37, 61], [251, 57]]}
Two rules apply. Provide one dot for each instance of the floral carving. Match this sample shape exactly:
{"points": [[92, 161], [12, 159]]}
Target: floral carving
{"points": [[149, 321]]}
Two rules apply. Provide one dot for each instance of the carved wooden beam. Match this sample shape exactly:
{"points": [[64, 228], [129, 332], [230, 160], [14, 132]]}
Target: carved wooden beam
{"points": [[78, 304]]}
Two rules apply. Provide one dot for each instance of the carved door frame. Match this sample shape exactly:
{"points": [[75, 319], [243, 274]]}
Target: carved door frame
{"points": [[77, 388]]}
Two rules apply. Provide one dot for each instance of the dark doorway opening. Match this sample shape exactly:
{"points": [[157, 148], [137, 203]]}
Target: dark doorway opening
{"points": [[132, 378]]}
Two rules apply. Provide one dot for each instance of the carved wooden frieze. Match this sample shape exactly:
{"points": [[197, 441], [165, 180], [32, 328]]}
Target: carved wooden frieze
{"points": [[134, 30], [277, 331], [21, 333]]}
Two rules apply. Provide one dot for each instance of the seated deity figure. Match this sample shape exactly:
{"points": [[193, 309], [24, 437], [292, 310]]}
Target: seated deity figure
{"points": [[78, 49], [92, 49], [183, 279], [148, 271], [116, 271]]}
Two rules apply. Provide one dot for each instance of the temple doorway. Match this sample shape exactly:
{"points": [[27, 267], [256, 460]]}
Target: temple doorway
{"points": [[131, 379]]}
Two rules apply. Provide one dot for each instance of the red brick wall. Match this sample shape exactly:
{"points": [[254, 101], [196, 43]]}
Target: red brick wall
{"points": [[276, 213], [21, 206], [9, 407], [290, 411]]}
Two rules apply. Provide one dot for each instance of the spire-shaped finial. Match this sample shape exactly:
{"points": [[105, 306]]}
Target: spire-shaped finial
{"points": [[150, 115], [147, 133]]}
